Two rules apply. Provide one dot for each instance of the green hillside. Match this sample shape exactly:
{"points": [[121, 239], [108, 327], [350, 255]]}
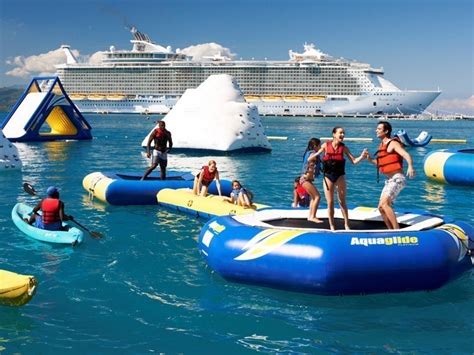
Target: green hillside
{"points": [[8, 97]]}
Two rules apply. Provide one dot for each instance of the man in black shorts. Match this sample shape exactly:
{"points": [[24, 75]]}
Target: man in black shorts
{"points": [[163, 144]]}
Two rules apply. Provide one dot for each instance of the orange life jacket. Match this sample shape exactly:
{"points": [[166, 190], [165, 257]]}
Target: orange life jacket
{"points": [[50, 208], [388, 162]]}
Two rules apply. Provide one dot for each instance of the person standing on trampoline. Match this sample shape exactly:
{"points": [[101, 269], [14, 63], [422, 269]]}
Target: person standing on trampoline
{"points": [[334, 172]]}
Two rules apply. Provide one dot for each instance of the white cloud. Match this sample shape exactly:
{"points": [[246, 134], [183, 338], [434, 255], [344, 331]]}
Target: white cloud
{"points": [[44, 63], [454, 106], [95, 58], [41, 64], [207, 50]]}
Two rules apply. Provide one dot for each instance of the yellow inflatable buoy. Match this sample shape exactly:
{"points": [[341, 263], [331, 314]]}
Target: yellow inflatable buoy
{"points": [[16, 289]]}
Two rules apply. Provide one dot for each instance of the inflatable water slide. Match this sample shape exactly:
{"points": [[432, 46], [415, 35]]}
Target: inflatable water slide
{"points": [[44, 112]]}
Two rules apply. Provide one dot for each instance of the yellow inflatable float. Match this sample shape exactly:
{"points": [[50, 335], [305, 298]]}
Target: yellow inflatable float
{"points": [[184, 200], [16, 289]]}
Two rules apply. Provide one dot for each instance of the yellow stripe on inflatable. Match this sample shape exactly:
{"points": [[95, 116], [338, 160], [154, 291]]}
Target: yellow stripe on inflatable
{"points": [[262, 235], [60, 123], [434, 165], [455, 230], [270, 243], [365, 209], [16, 289], [96, 184], [211, 204]]}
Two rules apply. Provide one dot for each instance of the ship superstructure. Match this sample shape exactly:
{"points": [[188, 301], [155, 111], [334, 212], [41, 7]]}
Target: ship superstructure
{"points": [[150, 79]]}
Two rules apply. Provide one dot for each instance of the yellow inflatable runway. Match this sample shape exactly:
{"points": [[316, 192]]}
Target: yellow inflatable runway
{"points": [[16, 289], [210, 206]]}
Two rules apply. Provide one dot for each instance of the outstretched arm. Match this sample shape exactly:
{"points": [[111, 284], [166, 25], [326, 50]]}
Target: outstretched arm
{"points": [[314, 156], [371, 160], [295, 198], [362, 156], [36, 208], [197, 184], [218, 184]]}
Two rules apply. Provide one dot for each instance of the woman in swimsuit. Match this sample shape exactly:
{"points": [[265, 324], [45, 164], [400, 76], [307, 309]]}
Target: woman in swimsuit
{"points": [[334, 172], [306, 181]]}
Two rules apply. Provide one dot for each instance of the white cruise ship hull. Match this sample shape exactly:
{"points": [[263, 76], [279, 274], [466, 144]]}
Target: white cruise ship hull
{"points": [[391, 103]]}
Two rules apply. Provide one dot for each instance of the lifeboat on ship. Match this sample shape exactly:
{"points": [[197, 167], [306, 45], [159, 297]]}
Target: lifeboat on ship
{"points": [[271, 98], [96, 97], [293, 98], [280, 248], [315, 98], [77, 97], [252, 98], [116, 97]]}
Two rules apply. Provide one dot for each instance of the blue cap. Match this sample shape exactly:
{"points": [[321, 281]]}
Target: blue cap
{"points": [[52, 191]]}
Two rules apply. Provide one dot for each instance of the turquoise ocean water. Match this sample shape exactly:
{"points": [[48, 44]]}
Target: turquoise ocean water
{"points": [[145, 287]]}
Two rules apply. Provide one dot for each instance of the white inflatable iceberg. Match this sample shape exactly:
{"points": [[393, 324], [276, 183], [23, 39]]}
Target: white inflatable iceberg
{"points": [[9, 157], [215, 116]]}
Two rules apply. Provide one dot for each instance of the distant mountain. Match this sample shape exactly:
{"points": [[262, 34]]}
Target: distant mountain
{"points": [[8, 97]]}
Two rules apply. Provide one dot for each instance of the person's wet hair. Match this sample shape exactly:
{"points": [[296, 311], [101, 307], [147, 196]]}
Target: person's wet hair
{"points": [[313, 143], [387, 127], [334, 130]]}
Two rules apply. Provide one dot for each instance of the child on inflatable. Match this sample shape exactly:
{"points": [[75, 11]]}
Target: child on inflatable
{"points": [[240, 196], [205, 177], [301, 198]]}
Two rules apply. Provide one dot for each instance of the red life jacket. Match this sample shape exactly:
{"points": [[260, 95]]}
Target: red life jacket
{"points": [[208, 176], [50, 208], [159, 133], [300, 190], [388, 162], [334, 154], [333, 160]]}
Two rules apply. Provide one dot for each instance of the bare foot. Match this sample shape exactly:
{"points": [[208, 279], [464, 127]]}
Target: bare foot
{"points": [[332, 228], [315, 220], [347, 228]]}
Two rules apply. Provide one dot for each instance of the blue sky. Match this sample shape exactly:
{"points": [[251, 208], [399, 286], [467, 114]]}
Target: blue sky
{"points": [[421, 44]]}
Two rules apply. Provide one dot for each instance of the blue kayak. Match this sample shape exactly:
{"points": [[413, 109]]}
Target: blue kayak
{"points": [[71, 236]]}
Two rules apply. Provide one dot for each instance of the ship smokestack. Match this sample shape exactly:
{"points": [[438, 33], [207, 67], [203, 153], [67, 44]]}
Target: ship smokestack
{"points": [[70, 59]]}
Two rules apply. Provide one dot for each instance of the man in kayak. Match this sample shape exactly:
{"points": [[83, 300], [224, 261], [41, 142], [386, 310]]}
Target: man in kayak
{"points": [[389, 160], [52, 209], [163, 144]]}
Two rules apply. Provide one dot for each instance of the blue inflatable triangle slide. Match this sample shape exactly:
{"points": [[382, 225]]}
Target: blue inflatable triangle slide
{"points": [[45, 112]]}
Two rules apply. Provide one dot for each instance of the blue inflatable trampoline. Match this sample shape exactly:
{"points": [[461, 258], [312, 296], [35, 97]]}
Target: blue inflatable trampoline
{"points": [[127, 188], [453, 166], [280, 248]]}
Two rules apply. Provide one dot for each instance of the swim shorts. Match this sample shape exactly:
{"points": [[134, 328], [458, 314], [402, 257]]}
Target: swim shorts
{"points": [[157, 156], [394, 186]]}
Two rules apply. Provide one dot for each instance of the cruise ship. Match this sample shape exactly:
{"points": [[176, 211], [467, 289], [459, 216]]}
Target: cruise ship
{"points": [[151, 78]]}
